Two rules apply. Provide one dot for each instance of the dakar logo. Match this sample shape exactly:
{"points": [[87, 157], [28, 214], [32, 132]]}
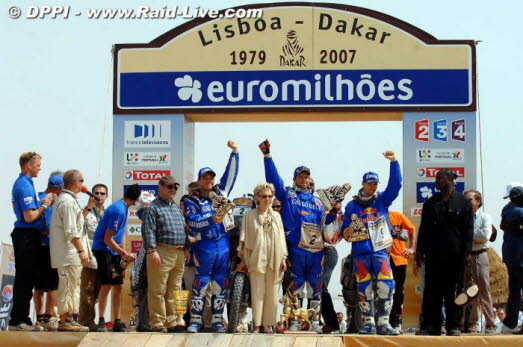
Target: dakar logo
{"points": [[292, 51]]}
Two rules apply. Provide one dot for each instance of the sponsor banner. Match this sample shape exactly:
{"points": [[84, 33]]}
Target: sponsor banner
{"points": [[6, 301], [150, 188], [147, 133], [134, 229], [7, 264], [440, 155], [136, 245], [132, 214], [147, 158], [416, 212], [145, 175], [458, 130], [233, 89], [430, 172], [424, 190]]}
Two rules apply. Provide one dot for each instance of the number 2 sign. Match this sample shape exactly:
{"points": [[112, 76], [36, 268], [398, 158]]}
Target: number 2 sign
{"points": [[422, 130]]}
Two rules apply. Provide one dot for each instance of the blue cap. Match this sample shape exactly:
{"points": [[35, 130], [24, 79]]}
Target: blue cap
{"points": [[371, 177], [205, 170], [301, 169], [56, 181]]}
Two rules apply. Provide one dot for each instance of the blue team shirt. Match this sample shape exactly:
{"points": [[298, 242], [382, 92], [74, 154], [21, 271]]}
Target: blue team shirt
{"points": [[114, 218], [24, 197], [46, 225]]}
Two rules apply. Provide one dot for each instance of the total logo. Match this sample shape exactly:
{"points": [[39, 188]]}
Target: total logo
{"points": [[145, 175], [431, 172], [7, 293], [416, 212]]}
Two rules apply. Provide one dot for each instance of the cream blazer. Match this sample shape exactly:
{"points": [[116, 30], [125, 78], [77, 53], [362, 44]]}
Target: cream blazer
{"points": [[254, 243]]}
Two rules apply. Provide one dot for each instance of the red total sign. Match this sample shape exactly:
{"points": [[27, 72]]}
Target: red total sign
{"points": [[149, 175], [430, 172]]}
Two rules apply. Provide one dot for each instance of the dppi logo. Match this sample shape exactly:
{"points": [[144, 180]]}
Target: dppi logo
{"points": [[132, 157], [7, 293], [424, 153], [128, 175]]}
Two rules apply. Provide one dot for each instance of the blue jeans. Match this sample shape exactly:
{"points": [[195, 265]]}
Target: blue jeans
{"points": [[515, 285], [331, 259]]}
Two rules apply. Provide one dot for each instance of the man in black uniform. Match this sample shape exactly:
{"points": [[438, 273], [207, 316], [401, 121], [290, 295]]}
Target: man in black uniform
{"points": [[445, 240]]}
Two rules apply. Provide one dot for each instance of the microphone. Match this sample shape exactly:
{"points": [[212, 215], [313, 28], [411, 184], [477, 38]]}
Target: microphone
{"points": [[86, 191]]}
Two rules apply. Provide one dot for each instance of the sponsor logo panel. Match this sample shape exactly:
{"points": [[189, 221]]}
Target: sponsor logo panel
{"points": [[136, 246], [147, 158], [441, 130], [134, 229], [440, 155], [150, 188], [425, 190], [147, 133], [422, 129], [145, 175], [458, 130], [416, 212], [430, 172]]}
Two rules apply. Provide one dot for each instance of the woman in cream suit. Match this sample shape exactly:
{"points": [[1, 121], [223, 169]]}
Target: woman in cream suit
{"points": [[264, 252]]}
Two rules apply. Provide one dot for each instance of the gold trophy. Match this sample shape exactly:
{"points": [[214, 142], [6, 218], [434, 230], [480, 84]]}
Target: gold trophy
{"points": [[181, 302]]}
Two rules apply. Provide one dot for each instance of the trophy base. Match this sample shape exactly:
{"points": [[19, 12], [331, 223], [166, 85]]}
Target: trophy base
{"points": [[304, 332], [180, 328]]}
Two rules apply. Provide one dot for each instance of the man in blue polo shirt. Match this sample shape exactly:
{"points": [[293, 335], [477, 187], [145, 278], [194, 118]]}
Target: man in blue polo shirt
{"points": [[108, 250], [29, 210], [46, 276]]}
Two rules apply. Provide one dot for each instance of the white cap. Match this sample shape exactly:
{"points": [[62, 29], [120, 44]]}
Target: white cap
{"points": [[510, 186]]}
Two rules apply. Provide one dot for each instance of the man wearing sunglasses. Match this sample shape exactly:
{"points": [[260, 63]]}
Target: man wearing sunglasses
{"points": [[212, 251], [90, 285], [108, 249], [163, 233]]}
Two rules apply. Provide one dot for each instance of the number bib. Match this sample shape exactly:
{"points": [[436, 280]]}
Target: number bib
{"points": [[241, 210], [311, 238], [379, 234]]}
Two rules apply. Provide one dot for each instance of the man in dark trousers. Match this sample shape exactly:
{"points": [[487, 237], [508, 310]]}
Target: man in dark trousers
{"points": [[444, 242]]}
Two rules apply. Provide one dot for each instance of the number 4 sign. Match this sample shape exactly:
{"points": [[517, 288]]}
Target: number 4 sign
{"points": [[458, 130], [422, 130]]}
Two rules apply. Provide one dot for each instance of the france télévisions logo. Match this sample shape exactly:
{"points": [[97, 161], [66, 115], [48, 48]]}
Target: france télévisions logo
{"points": [[147, 133], [422, 129]]}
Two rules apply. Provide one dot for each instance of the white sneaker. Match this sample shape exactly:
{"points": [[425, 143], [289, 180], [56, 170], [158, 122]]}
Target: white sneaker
{"points": [[26, 327], [506, 330]]}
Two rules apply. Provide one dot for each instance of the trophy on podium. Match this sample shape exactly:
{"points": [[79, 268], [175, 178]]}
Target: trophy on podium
{"points": [[181, 302]]}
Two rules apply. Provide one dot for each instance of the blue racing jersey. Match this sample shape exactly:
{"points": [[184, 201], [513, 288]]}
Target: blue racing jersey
{"points": [[199, 211], [301, 212], [512, 248], [46, 220], [375, 212], [114, 218], [24, 197]]}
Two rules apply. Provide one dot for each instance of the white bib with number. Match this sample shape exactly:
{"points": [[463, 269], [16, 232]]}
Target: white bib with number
{"points": [[311, 238], [379, 234]]}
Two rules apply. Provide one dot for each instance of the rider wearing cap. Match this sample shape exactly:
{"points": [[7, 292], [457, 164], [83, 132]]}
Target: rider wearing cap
{"points": [[211, 254], [302, 215], [367, 226]]}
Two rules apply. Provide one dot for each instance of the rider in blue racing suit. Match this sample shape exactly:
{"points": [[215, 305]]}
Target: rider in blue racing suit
{"points": [[302, 214], [211, 254], [367, 226]]}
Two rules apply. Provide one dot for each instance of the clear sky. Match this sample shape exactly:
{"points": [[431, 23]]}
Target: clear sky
{"points": [[56, 99]]}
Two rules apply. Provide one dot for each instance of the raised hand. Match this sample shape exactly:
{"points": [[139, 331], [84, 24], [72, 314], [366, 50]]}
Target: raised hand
{"points": [[265, 147], [232, 145], [390, 155]]}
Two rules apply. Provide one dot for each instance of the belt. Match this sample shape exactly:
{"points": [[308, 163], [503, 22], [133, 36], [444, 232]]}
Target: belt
{"points": [[478, 252], [171, 246]]}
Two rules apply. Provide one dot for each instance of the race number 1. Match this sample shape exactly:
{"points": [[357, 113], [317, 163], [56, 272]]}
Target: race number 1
{"points": [[422, 130]]}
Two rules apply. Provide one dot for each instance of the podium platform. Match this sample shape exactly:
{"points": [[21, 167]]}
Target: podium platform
{"points": [[33, 339]]}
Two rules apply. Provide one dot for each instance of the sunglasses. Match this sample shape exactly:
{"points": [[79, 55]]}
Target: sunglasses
{"points": [[276, 206], [82, 180], [266, 196], [99, 193], [172, 186]]}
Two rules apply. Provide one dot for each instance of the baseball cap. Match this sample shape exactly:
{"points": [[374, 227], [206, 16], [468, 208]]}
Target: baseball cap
{"points": [[205, 170], [371, 177], [510, 186], [301, 169], [516, 192], [56, 181], [166, 180]]}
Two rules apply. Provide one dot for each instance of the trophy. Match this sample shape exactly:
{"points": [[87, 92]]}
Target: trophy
{"points": [[181, 302]]}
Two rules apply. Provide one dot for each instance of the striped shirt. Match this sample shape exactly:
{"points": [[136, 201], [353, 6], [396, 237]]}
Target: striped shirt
{"points": [[163, 222]]}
